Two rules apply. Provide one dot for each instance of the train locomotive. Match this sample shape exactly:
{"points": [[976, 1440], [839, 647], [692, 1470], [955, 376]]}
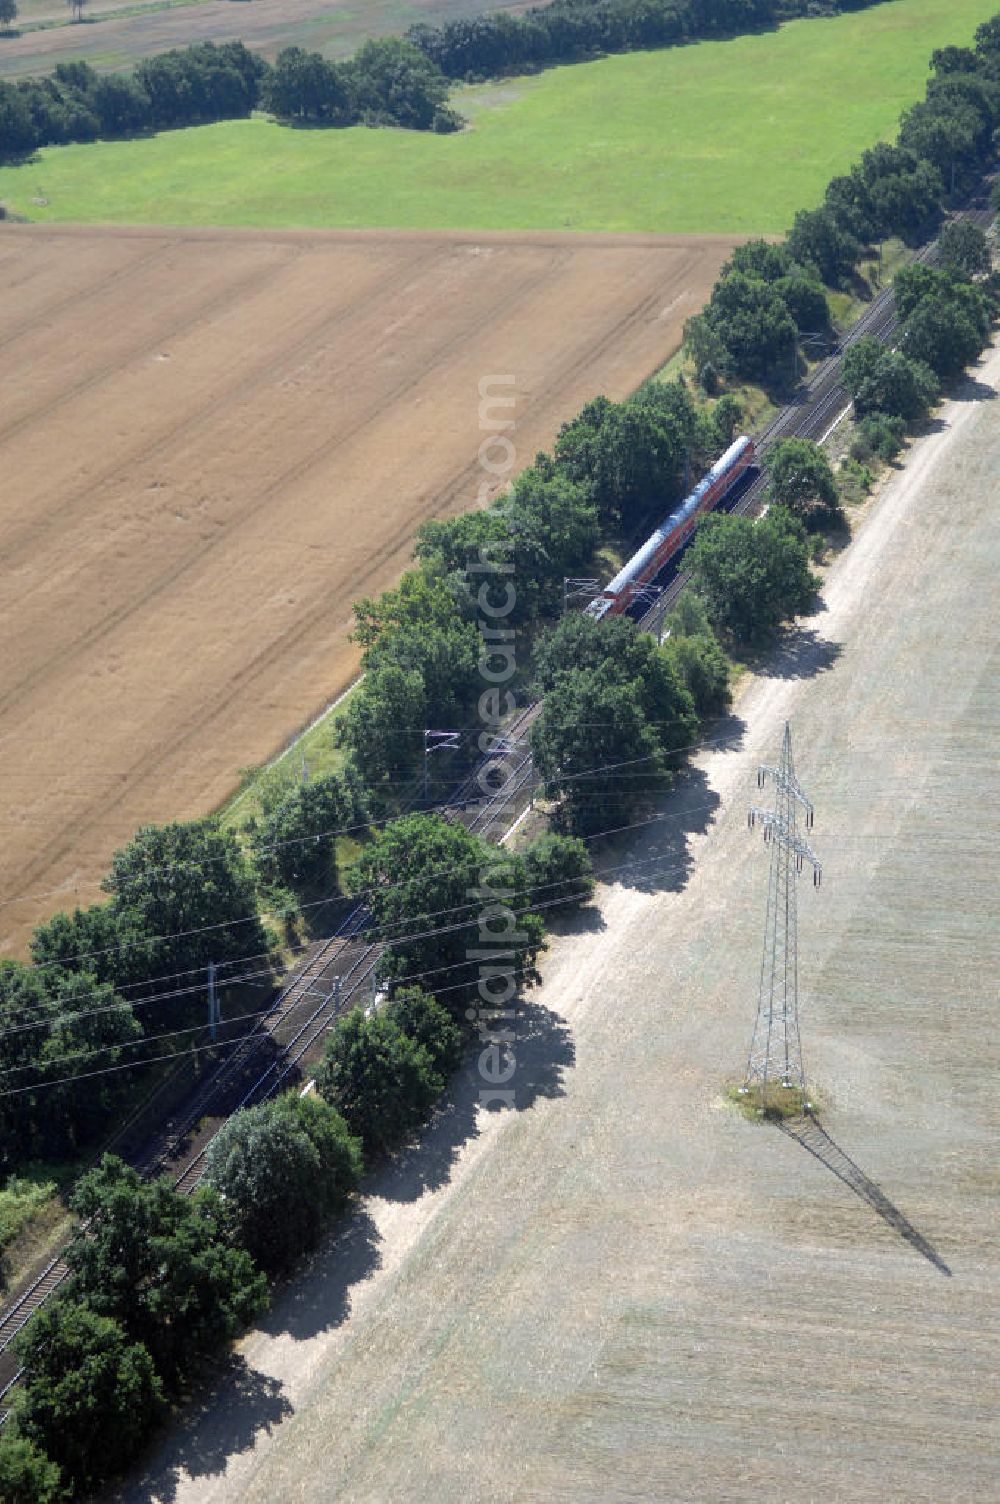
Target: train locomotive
{"points": [[673, 532]]}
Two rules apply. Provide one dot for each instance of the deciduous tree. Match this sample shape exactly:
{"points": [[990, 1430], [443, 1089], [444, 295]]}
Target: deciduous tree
{"points": [[887, 381], [429, 1024], [560, 873], [306, 86], [426, 882], [595, 749], [27, 1474], [943, 334], [964, 248], [384, 722], [756, 330], [159, 1264], [190, 892], [294, 840], [802, 481], [752, 575], [382, 1082], [90, 1394], [816, 239], [283, 1169]]}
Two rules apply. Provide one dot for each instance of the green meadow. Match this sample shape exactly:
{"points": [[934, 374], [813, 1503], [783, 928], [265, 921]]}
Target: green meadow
{"points": [[727, 136]]}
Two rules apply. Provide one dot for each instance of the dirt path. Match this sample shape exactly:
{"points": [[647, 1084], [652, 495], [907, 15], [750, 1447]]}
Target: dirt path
{"points": [[211, 443], [622, 1290]]}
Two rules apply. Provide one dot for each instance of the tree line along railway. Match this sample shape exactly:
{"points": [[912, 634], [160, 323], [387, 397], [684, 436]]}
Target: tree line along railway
{"points": [[336, 972]]}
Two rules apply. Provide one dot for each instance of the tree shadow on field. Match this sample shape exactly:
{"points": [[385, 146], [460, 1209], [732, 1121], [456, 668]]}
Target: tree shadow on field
{"points": [[928, 426], [798, 653], [318, 1296], [224, 1420], [972, 390], [813, 1137], [660, 860], [542, 1050], [585, 921]]}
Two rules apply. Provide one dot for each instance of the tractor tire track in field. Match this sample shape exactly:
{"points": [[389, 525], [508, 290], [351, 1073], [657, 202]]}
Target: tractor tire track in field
{"points": [[213, 645], [273, 651], [149, 594], [24, 546], [216, 303], [85, 295]]}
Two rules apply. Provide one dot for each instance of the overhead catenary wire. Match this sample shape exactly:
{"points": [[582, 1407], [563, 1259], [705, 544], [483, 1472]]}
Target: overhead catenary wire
{"points": [[343, 830], [241, 1038], [395, 981], [48, 1019], [599, 874], [277, 913]]}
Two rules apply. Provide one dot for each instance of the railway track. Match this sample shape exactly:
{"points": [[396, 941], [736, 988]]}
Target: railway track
{"points": [[231, 1071], [18, 1315], [822, 401], [233, 1085]]}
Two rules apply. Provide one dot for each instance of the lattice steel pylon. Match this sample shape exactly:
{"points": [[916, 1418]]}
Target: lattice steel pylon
{"points": [[775, 1056]]}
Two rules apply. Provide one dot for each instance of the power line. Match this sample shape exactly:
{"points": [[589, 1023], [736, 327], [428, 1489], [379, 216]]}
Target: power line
{"points": [[198, 1049], [44, 1020], [273, 913], [341, 830]]}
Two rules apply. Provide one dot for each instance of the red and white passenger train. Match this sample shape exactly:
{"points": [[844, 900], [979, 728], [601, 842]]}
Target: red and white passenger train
{"points": [[673, 532]]}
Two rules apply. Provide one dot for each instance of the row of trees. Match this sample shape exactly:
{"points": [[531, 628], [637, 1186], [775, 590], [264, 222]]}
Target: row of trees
{"points": [[615, 470], [125, 981], [387, 82], [946, 318], [390, 81], [767, 297], [188, 86], [112, 979], [158, 1285], [161, 1283], [567, 30]]}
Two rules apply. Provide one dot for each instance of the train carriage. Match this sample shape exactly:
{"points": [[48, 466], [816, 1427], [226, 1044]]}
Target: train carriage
{"points": [[673, 532]]}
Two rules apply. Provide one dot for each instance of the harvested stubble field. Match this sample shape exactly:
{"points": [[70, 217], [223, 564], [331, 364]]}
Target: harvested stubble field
{"points": [[211, 443], [118, 33], [625, 1291]]}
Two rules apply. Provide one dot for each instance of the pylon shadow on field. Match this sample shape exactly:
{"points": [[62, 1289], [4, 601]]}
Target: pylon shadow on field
{"points": [[224, 1420], [811, 1134]]}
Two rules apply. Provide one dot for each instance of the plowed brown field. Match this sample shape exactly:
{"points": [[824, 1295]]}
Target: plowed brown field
{"points": [[211, 442]]}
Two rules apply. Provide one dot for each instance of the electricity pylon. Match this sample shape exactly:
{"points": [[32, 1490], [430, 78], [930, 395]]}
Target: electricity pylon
{"points": [[776, 1049]]}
